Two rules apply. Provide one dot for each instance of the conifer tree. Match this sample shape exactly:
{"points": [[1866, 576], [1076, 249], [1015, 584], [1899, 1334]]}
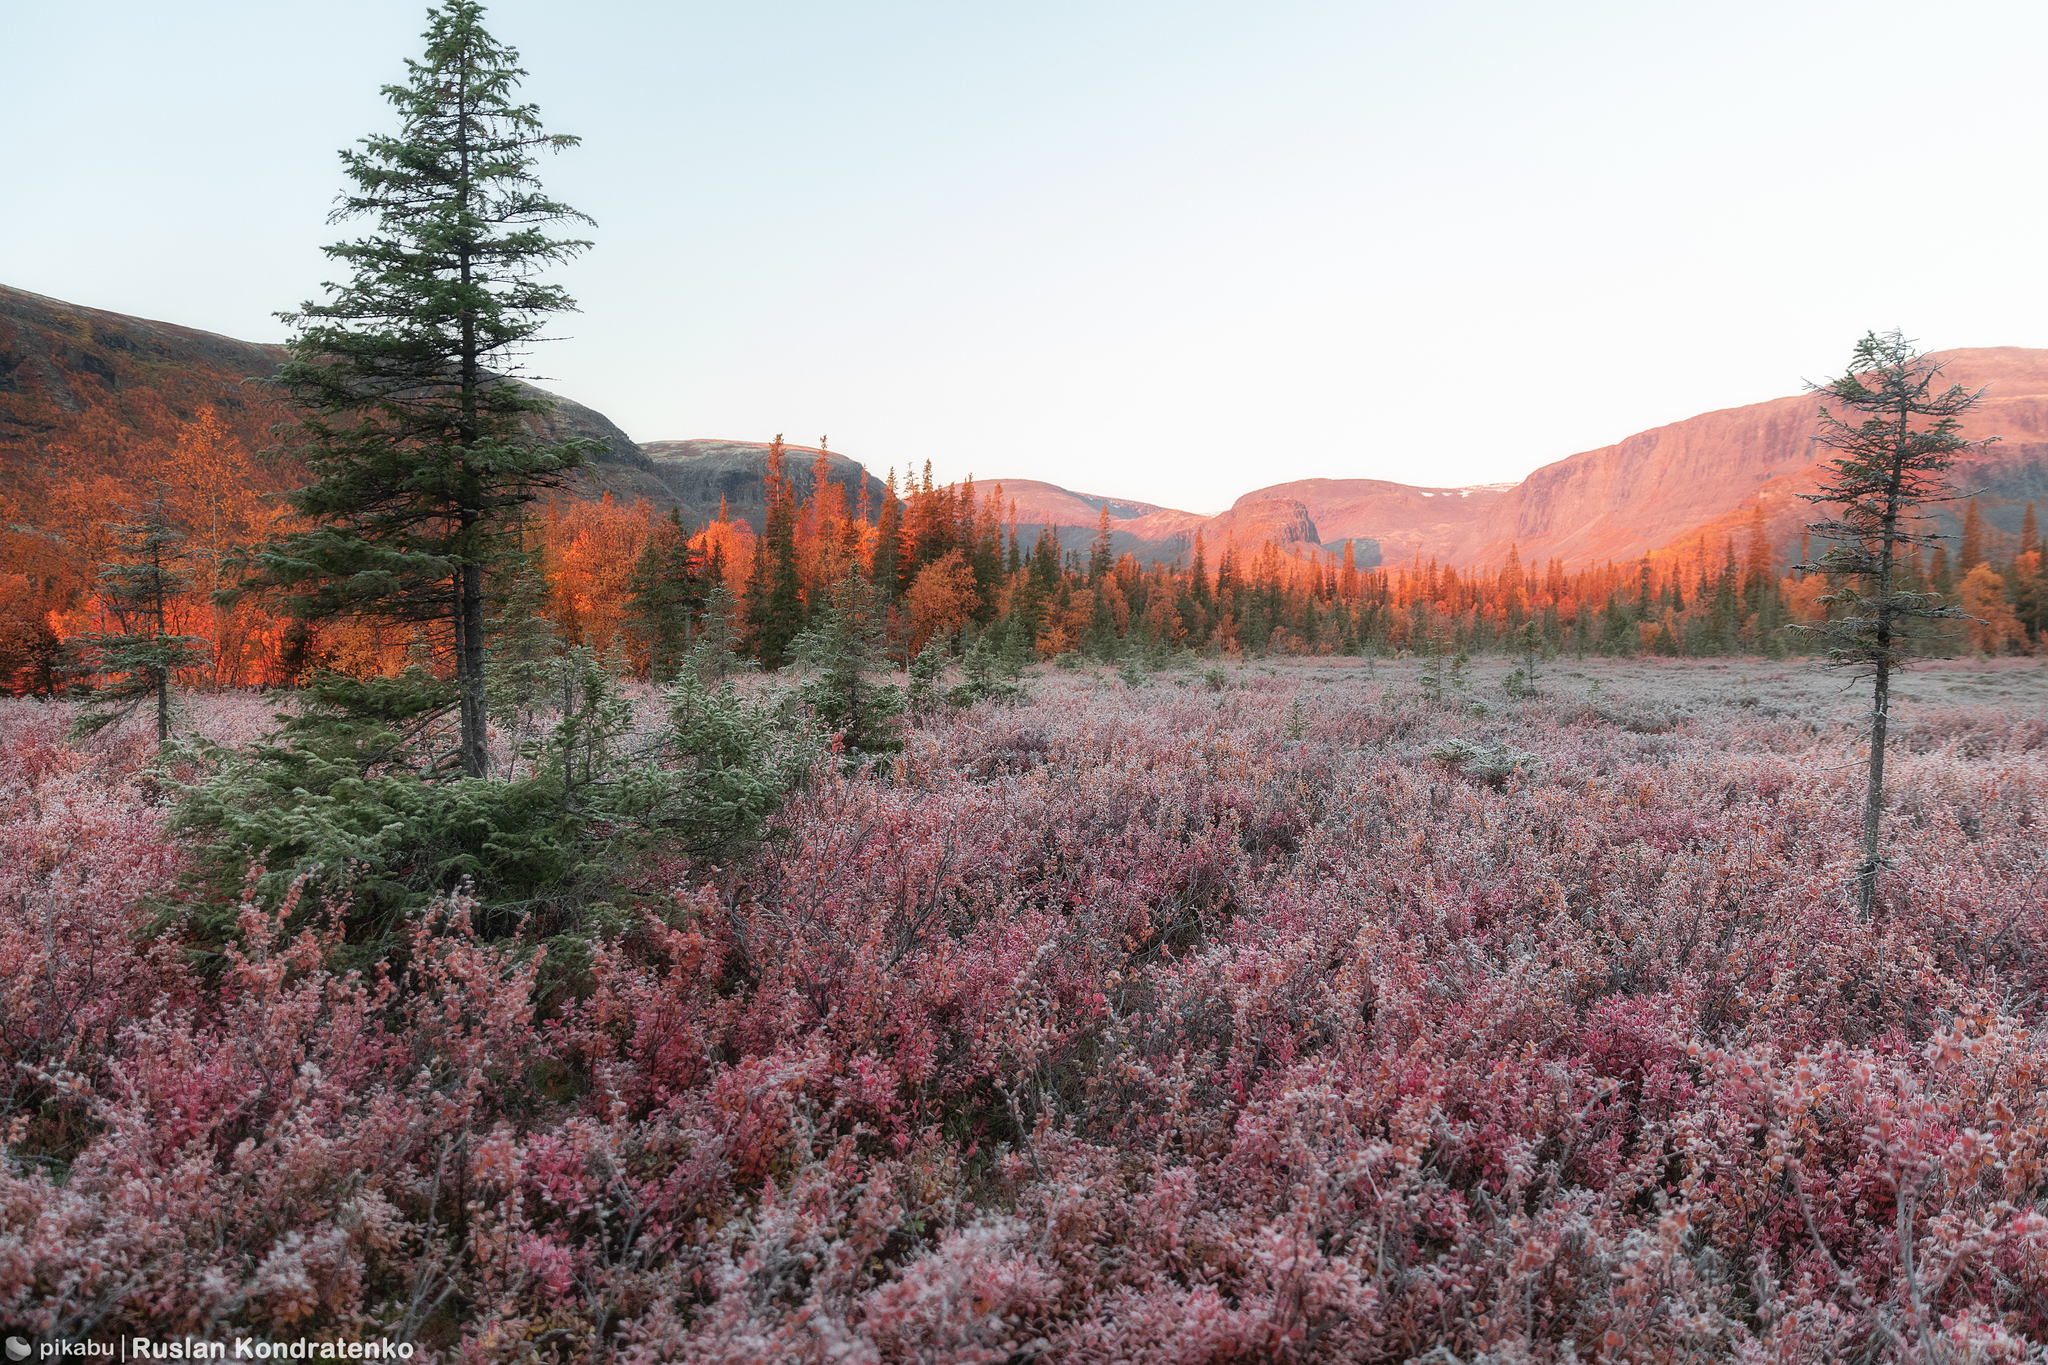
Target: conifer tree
{"points": [[1887, 467], [888, 537], [716, 655], [1758, 577], [1101, 556], [136, 662], [775, 605], [1971, 552], [667, 592], [415, 429], [524, 653], [849, 644]]}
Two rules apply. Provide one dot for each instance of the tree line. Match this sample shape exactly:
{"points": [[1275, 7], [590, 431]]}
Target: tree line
{"points": [[634, 583]]}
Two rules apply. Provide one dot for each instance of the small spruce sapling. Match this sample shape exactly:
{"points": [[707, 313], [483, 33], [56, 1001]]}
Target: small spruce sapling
{"points": [[523, 654], [718, 653], [1444, 670], [927, 670], [847, 644], [1529, 650], [986, 676], [665, 595]]}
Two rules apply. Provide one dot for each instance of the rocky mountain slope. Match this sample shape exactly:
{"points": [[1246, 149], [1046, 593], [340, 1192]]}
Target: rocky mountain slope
{"points": [[1704, 476], [700, 476]]}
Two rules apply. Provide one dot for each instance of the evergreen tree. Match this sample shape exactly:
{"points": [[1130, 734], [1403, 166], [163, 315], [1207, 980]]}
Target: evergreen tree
{"points": [[1101, 557], [1886, 468], [416, 432], [136, 662], [717, 653], [849, 644], [775, 605], [886, 568], [665, 593], [1971, 552]]}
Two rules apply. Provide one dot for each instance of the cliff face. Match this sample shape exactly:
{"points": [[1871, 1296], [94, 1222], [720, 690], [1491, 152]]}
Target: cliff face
{"points": [[1673, 486], [1627, 499]]}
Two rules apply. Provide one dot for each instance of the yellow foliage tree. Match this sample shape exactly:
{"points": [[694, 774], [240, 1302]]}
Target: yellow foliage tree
{"points": [[1994, 628], [940, 598]]}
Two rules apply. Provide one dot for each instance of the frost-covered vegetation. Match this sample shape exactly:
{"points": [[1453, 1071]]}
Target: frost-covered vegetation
{"points": [[1257, 1016]]}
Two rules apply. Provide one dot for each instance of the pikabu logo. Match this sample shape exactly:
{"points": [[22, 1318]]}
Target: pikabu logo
{"points": [[17, 1349]]}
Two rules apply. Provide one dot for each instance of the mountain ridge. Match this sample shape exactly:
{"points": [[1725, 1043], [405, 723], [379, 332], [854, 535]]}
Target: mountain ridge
{"points": [[81, 388]]}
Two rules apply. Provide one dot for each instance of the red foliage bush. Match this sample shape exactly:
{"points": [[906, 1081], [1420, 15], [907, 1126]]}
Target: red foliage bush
{"points": [[1231, 1027]]}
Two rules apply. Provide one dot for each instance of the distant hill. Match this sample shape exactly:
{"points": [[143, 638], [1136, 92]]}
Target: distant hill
{"points": [[697, 475], [88, 398]]}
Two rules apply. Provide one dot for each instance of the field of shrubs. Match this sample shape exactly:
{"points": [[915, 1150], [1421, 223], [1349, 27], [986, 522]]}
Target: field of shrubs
{"points": [[1249, 1013]]}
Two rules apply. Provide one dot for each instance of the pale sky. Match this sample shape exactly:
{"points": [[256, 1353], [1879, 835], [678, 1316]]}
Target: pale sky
{"points": [[1169, 252]]}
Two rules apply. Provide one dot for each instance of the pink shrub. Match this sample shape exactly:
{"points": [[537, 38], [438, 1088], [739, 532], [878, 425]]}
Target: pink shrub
{"points": [[1147, 1026]]}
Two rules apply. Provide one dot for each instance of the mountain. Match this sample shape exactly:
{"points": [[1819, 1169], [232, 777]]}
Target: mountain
{"points": [[89, 399], [700, 476], [1669, 487], [1138, 528]]}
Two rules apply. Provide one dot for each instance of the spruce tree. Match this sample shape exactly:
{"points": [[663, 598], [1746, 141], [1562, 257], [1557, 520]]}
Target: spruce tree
{"points": [[775, 605], [717, 653], [135, 663], [888, 536], [415, 426], [524, 655], [1101, 554], [1886, 468], [849, 643], [666, 593]]}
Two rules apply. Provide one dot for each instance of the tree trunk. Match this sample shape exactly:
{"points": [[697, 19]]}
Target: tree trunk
{"points": [[163, 626], [1881, 684], [1873, 795], [469, 668], [469, 590]]}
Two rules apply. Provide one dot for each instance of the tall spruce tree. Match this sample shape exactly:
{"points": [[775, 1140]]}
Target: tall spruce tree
{"points": [[415, 426], [1887, 467], [775, 604]]}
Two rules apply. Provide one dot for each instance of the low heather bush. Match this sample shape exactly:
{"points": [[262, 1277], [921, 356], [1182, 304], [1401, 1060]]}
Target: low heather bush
{"points": [[1120, 1024]]}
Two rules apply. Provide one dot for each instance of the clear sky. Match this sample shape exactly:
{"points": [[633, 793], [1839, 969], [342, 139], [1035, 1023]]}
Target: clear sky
{"points": [[1170, 252]]}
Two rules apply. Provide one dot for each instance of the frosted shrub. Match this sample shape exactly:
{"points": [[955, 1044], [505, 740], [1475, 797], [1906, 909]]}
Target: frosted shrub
{"points": [[1119, 1024]]}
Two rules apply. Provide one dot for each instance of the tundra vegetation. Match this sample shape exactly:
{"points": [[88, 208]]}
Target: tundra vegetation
{"points": [[1278, 1013]]}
